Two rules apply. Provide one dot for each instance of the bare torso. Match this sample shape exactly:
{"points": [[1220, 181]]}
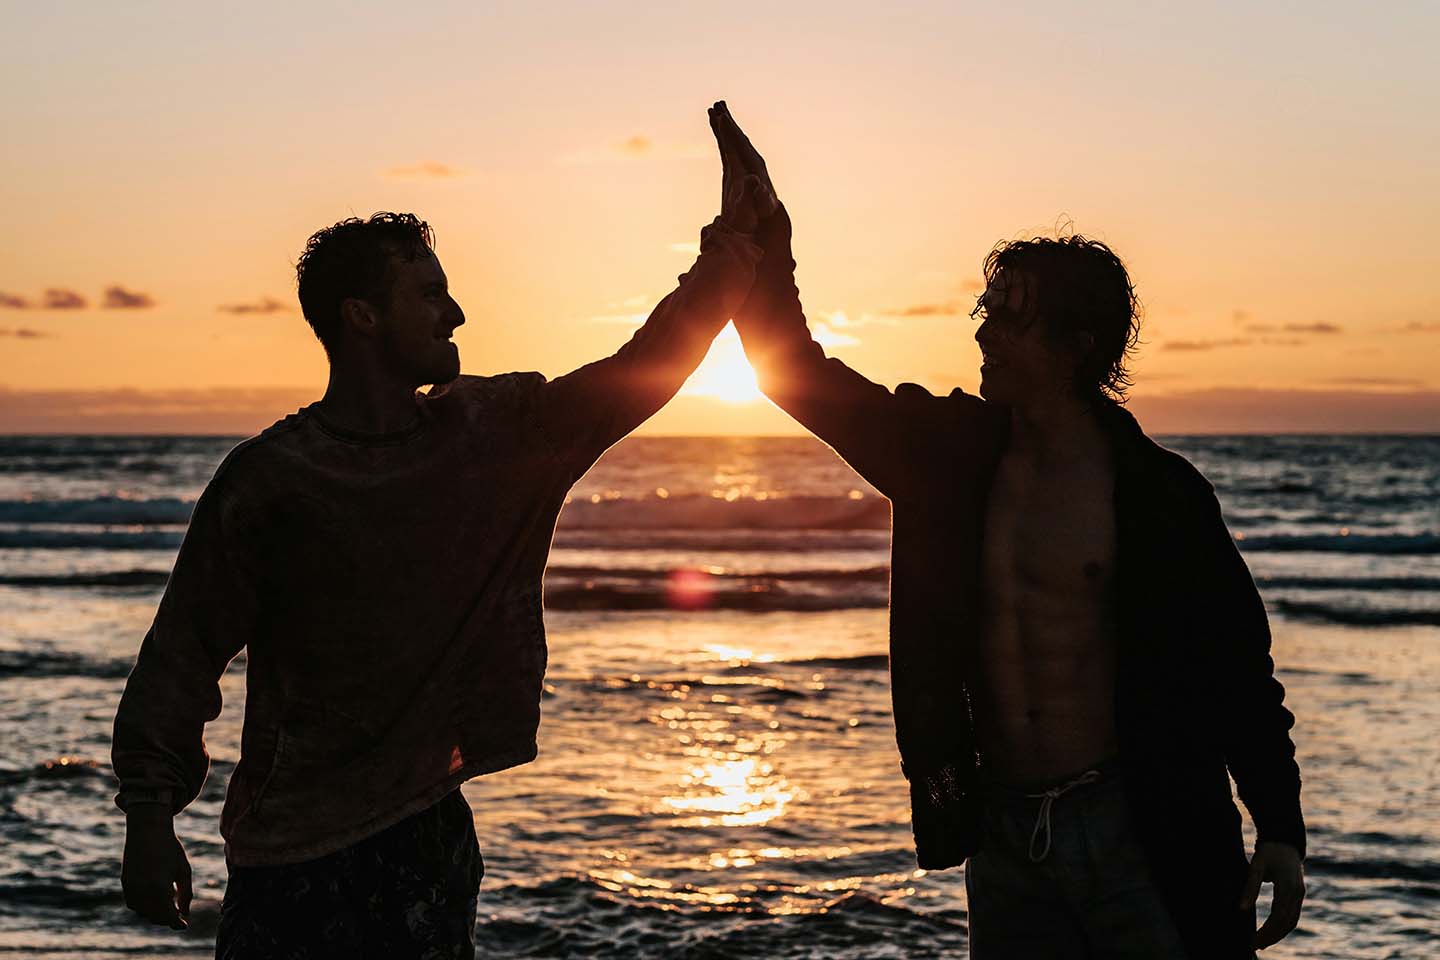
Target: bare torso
{"points": [[1045, 690]]}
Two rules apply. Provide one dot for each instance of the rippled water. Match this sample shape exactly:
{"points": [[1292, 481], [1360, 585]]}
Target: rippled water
{"points": [[721, 780]]}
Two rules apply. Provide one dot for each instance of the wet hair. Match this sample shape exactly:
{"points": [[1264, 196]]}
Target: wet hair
{"points": [[1079, 286], [355, 258]]}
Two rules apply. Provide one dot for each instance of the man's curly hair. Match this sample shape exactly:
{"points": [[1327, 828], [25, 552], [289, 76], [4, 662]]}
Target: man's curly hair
{"points": [[354, 258], [1080, 286]]}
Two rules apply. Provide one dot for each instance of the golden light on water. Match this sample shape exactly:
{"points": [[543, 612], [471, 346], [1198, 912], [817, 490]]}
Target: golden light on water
{"points": [[743, 791]]}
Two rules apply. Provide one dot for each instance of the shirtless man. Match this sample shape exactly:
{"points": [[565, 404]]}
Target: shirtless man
{"points": [[1078, 653]]}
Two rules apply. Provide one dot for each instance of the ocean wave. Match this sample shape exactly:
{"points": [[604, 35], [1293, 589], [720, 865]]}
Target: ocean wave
{"points": [[1378, 584], [1413, 544], [49, 663], [717, 513], [753, 594], [43, 539], [1353, 616], [99, 511], [113, 578], [577, 916]]}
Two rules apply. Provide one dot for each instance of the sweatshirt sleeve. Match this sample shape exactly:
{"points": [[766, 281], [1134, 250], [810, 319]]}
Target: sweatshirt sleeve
{"points": [[204, 619], [886, 436], [586, 411], [1254, 724]]}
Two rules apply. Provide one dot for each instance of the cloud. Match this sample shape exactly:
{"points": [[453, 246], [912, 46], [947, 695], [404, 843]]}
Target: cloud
{"points": [[1421, 326], [828, 336], [11, 302], [636, 147], [620, 319], [425, 170], [24, 333], [57, 298], [1258, 410], [118, 298], [1323, 328], [221, 410], [1375, 381], [972, 285], [1195, 345], [263, 305], [929, 310], [840, 320], [691, 247]]}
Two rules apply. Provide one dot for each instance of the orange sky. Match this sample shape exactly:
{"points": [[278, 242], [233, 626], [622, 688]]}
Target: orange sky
{"points": [[1268, 175]]}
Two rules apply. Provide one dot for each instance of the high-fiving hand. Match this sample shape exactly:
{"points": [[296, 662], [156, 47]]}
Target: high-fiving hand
{"points": [[746, 194]]}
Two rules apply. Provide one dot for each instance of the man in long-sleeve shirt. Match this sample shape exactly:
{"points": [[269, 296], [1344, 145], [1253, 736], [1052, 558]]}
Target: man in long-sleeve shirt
{"points": [[378, 555], [1079, 656]]}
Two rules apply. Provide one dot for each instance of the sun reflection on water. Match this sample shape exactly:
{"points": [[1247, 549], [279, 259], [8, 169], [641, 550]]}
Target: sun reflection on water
{"points": [[742, 790]]}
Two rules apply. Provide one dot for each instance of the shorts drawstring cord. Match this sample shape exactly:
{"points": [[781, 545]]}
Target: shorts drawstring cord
{"points": [[1047, 800]]}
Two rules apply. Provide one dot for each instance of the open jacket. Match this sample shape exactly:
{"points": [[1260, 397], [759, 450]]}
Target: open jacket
{"points": [[1196, 700]]}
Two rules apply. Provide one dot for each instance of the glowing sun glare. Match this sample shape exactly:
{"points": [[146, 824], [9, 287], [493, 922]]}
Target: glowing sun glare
{"points": [[724, 374]]}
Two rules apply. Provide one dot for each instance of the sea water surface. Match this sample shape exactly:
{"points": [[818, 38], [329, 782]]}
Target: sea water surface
{"points": [[718, 776]]}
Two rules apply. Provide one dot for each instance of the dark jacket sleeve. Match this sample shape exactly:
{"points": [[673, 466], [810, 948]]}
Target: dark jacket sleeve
{"points": [[1253, 723], [586, 411], [204, 619], [885, 436]]}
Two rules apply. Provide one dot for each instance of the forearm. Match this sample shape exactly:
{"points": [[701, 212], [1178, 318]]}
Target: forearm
{"points": [[591, 408], [1255, 723], [203, 621], [158, 749]]}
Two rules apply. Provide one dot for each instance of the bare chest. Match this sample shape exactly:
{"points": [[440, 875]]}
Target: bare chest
{"points": [[1050, 535]]}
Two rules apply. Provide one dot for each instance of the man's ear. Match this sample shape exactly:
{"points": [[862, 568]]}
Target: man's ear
{"points": [[359, 316]]}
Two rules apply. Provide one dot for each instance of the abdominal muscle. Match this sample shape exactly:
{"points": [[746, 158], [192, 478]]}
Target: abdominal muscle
{"points": [[1045, 695], [1044, 690]]}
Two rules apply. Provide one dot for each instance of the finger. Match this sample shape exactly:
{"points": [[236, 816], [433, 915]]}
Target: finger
{"points": [[1275, 928], [159, 910], [1252, 884], [753, 161], [185, 891]]}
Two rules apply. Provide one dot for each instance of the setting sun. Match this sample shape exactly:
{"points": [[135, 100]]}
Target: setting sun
{"points": [[724, 374]]}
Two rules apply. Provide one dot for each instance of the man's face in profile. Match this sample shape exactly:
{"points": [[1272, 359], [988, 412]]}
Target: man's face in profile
{"points": [[417, 324], [1018, 361]]}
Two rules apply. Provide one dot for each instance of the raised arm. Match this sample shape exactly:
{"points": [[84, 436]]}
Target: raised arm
{"points": [[884, 435], [158, 751], [584, 412]]}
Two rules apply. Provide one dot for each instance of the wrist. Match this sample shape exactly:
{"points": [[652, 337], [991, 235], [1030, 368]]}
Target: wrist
{"points": [[148, 814]]}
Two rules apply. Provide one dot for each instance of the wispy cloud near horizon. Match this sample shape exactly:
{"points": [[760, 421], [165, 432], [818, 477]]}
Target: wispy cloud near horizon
{"points": [[118, 298], [263, 305], [636, 147], [59, 298], [425, 170], [25, 333]]}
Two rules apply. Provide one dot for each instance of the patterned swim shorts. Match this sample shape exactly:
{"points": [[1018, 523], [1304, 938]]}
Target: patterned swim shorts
{"points": [[408, 891]]}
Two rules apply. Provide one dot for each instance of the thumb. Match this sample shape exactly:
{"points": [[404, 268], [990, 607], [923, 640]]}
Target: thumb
{"points": [[1252, 882], [184, 888]]}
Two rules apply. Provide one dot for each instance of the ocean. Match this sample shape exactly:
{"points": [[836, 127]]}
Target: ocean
{"points": [[717, 773]]}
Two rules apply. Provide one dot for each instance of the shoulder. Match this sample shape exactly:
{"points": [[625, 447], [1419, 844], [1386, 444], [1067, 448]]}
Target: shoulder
{"points": [[502, 389]]}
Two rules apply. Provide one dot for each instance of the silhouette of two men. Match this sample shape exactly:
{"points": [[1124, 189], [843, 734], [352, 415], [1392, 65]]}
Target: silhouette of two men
{"points": [[1079, 658]]}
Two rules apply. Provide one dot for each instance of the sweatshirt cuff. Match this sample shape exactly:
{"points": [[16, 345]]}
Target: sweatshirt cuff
{"points": [[134, 797], [720, 235]]}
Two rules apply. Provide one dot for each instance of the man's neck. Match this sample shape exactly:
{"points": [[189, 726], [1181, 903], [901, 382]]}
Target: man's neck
{"points": [[368, 403], [1055, 429]]}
